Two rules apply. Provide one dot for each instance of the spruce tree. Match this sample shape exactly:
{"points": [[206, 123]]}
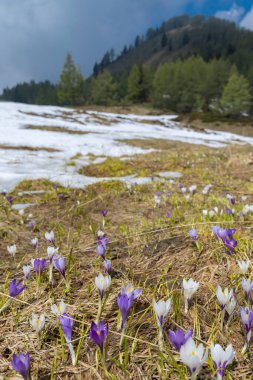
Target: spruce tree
{"points": [[236, 97], [139, 83], [71, 83]]}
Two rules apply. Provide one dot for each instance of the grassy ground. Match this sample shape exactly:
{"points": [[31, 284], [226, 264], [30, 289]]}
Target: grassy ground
{"points": [[146, 248]]}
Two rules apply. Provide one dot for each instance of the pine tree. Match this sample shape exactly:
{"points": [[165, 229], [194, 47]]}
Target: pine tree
{"points": [[70, 86], [236, 97]]}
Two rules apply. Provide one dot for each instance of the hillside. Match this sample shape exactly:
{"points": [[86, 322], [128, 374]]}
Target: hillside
{"points": [[182, 37]]}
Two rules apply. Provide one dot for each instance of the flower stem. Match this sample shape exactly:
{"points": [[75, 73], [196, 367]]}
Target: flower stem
{"points": [[122, 337], [160, 339], [186, 308], [99, 310], [222, 318], [72, 353]]}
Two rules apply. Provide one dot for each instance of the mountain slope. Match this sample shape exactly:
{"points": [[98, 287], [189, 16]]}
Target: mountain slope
{"points": [[182, 37]]}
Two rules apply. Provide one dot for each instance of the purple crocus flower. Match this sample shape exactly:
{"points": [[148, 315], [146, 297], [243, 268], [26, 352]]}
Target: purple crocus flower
{"points": [[193, 234], [226, 235], [16, 288], [231, 198], [178, 338], [3, 193], [230, 244], [21, 364], [9, 199], [229, 211], [104, 213], [215, 230], [39, 265], [98, 333], [66, 322], [222, 233], [125, 303], [60, 265], [169, 215], [107, 266], [247, 319], [101, 246], [101, 250], [31, 224], [180, 186]]}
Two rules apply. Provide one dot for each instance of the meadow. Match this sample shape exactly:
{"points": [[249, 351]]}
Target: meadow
{"points": [[151, 239]]}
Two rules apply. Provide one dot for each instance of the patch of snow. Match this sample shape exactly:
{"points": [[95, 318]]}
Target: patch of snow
{"points": [[103, 135]]}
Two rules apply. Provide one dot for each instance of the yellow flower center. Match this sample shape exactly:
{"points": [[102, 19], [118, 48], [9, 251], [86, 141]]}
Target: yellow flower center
{"points": [[98, 333], [37, 322], [193, 353], [129, 290]]}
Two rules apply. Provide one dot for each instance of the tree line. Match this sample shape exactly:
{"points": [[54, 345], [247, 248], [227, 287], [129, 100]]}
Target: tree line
{"points": [[182, 86]]}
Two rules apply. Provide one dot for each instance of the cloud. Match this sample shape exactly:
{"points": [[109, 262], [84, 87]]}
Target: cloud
{"points": [[37, 34], [234, 14], [247, 21]]}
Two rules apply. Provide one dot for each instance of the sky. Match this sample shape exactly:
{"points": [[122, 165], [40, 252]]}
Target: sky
{"points": [[37, 34]]}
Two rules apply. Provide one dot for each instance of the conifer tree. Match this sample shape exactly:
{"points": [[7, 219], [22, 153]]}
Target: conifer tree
{"points": [[104, 89], [139, 83], [71, 83], [236, 97]]}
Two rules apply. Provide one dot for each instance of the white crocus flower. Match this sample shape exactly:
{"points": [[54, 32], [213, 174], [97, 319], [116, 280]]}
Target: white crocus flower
{"points": [[102, 283], [205, 212], [35, 243], [157, 199], [243, 265], [211, 214], [247, 286], [230, 306], [192, 189], [161, 309], [100, 233], [193, 356], [224, 296], [221, 358], [27, 269], [190, 287], [206, 189], [51, 251], [37, 322], [12, 249], [50, 236], [60, 309]]}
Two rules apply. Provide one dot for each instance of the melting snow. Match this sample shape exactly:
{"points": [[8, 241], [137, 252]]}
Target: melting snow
{"points": [[102, 134]]}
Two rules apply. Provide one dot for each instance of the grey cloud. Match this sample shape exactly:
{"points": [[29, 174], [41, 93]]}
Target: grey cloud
{"points": [[36, 34]]}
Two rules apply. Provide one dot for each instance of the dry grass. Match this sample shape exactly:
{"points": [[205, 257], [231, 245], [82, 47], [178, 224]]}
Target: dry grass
{"points": [[56, 129], [147, 249], [28, 148]]}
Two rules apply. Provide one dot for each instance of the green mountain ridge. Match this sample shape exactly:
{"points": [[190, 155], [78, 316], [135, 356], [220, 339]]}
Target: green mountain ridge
{"points": [[182, 37]]}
